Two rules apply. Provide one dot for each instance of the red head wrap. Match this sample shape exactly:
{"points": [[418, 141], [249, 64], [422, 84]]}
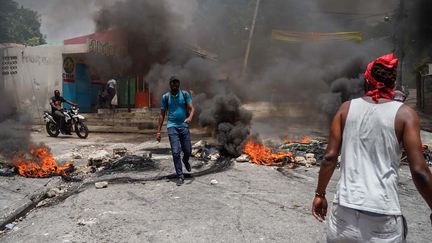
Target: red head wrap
{"points": [[381, 90]]}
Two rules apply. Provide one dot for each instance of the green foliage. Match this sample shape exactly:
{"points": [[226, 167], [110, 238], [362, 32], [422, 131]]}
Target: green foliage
{"points": [[19, 25]]}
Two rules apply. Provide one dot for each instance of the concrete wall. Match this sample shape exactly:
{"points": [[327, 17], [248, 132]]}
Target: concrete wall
{"points": [[30, 75]]}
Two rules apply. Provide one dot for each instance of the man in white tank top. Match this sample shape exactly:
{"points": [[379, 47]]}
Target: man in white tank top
{"points": [[367, 133]]}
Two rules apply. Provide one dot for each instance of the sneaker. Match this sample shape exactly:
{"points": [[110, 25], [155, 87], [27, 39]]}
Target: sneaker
{"points": [[187, 166], [180, 181]]}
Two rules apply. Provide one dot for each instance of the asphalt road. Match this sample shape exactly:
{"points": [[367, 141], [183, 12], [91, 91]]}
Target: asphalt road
{"points": [[249, 203]]}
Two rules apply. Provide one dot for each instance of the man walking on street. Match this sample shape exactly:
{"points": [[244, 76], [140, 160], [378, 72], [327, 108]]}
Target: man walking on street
{"points": [[178, 103], [368, 132]]}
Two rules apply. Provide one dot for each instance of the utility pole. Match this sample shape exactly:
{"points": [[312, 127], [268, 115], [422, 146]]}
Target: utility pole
{"points": [[246, 58], [401, 41]]}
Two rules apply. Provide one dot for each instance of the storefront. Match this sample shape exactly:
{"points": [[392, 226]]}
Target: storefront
{"points": [[90, 61]]}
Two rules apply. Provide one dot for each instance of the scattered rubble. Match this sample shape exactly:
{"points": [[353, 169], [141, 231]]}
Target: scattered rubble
{"points": [[76, 155], [130, 163], [215, 156], [43, 203], [53, 192], [201, 150], [84, 222], [300, 160], [120, 151], [102, 184], [306, 150], [6, 169], [243, 158], [98, 158], [9, 226], [427, 154], [199, 145]]}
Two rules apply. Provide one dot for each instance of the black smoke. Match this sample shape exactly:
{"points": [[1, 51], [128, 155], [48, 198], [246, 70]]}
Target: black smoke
{"points": [[160, 46], [231, 121], [14, 127]]}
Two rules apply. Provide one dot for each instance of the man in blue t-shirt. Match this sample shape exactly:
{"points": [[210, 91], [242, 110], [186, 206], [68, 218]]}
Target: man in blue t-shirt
{"points": [[178, 103]]}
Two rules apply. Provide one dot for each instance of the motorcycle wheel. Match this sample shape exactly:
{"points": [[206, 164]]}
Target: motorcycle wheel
{"points": [[52, 129], [81, 130]]}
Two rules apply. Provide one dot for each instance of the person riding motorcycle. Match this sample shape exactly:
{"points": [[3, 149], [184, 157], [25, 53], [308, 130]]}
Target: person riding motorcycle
{"points": [[56, 109]]}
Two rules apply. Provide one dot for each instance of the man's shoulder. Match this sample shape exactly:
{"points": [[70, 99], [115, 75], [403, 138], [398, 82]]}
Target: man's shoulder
{"points": [[406, 113], [186, 94]]}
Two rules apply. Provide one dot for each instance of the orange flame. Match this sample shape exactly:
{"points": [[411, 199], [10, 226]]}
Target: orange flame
{"points": [[42, 164], [263, 155], [304, 140]]}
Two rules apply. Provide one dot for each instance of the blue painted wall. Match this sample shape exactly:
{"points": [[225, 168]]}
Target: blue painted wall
{"points": [[82, 91]]}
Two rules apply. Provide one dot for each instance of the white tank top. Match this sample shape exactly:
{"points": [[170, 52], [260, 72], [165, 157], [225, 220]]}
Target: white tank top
{"points": [[370, 157]]}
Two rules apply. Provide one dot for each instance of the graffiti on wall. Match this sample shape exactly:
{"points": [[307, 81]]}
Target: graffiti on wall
{"points": [[36, 59], [9, 65], [106, 48]]}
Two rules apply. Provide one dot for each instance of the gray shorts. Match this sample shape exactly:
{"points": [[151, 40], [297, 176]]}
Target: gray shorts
{"points": [[351, 225]]}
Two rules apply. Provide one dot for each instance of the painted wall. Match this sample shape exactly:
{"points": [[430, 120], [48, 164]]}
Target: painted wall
{"points": [[31, 74]]}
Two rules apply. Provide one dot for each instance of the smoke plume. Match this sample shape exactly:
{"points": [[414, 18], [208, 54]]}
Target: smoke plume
{"points": [[14, 127], [304, 75]]}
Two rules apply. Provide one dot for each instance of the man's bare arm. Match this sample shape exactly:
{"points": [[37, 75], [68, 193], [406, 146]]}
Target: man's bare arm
{"points": [[160, 123], [70, 103], [52, 104], [191, 109], [420, 172], [329, 163], [319, 204]]}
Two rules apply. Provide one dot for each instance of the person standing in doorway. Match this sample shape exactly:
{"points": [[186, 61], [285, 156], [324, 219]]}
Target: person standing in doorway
{"points": [[111, 88], [178, 104]]}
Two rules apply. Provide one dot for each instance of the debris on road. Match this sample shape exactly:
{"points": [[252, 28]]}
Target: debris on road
{"points": [[243, 158], [9, 226], [76, 155], [199, 145], [213, 182], [300, 160], [130, 163], [53, 192], [98, 158], [6, 169], [120, 151], [101, 184], [84, 222], [427, 154], [214, 156]]}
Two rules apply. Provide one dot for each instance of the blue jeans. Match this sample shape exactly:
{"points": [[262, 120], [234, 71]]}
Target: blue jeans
{"points": [[180, 140]]}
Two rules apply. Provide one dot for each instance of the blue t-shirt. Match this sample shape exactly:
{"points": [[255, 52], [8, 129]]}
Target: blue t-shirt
{"points": [[176, 108]]}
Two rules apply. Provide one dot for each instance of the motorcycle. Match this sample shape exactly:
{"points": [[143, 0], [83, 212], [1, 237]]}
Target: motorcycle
{"points": [[72, 121]]}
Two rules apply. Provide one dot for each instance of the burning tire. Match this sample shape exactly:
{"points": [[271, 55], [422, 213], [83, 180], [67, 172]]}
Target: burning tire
{"points": [[52, 129], [81, 130]]}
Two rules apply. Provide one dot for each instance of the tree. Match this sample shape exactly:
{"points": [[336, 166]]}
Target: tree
{"points": [[19, 25]]}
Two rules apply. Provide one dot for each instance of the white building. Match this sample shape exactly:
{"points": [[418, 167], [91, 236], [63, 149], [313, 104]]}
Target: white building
{"points": [[30, 75]]}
